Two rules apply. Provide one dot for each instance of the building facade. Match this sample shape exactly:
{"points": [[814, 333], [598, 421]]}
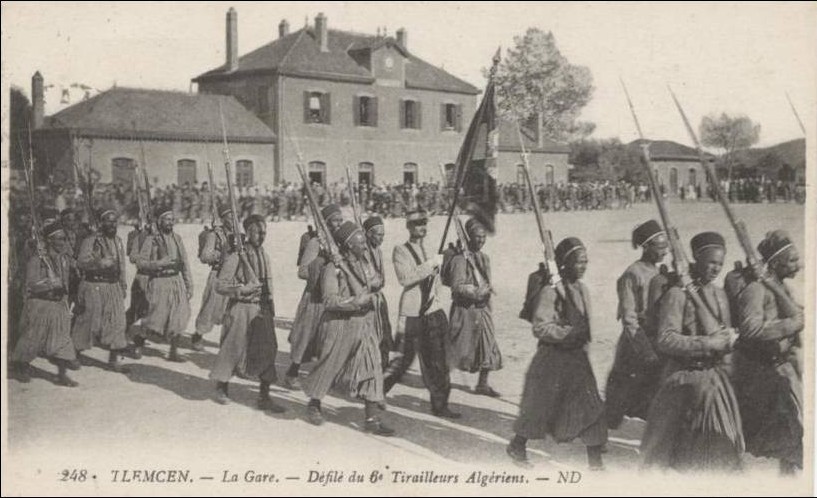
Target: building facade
{"points": [[676, 166], [337, 99], [171, 134]]}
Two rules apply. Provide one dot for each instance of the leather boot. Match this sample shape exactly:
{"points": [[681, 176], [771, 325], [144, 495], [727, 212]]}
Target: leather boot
{"points": [[174, 354]]}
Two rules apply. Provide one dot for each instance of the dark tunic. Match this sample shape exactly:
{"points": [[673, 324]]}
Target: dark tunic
{"points": [[474, 345], [387, 341], [248, 341], [46, 322], [636, 372], [561, 398], [694, 422], [100, 306], [213, 304], [350, 353], [767, 380]]}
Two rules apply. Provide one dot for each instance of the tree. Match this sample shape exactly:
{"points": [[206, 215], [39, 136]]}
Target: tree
{"points": [[534, 80], [728, 133]]}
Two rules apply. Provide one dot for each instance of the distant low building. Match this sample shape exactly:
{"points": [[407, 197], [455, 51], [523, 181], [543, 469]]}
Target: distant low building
{"points": [[172, 134], [676, 166], [548, 160]]}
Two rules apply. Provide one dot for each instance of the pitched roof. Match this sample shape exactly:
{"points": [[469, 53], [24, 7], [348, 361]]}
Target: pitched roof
{"points": [[667, 150], [160, 114], [509, 140], [298, 54]]}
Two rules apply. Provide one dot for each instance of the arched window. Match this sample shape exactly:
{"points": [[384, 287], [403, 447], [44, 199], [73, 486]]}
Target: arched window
{"points": [[365, 174], [520, 174], [549, 174], [673, 181], [244, 173], [693, 177], [317, 172], [185, 172], [410, 173], [450, 174], [122, 170]]}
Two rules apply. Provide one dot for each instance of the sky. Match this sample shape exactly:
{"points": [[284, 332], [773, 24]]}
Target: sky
{"points": [[728, 57]]}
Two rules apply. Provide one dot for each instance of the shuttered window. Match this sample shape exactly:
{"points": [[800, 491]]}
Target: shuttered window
{"points": [[317, 107], [185, 172], [411, 114]]}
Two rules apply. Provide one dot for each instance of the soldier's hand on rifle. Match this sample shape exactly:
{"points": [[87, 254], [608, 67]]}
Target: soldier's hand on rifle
{"points": [[483, 291], [54, 282], [107, 263], [250, 290], [437, 260], [337, 259], [189, 293], [758, 271], [363, 300], [725, 340]]}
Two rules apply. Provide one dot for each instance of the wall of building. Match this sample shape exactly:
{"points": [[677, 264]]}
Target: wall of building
{"points": [[161, 157], [387, 146], [508, 163], [685, 174], [341, 142]]}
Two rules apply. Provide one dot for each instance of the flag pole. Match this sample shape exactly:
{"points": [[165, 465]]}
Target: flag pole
{"points": [[461, 168]]}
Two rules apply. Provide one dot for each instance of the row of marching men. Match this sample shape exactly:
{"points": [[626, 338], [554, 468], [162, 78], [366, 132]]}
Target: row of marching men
{"points": [[707, 394]]}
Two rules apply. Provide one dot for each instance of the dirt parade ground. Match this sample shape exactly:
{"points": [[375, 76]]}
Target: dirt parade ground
{"points": [[164, 413]]}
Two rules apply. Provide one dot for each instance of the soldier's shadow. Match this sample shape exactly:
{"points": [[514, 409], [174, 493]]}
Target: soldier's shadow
{"points": [[194, 388]]}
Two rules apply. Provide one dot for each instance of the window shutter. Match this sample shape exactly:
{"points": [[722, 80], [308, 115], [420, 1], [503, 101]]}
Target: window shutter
{"points": [[402, 113], [356, 110], [306, 107], [459, 117], [418, 120], [442, 117], [373, 111], [326, 107]]}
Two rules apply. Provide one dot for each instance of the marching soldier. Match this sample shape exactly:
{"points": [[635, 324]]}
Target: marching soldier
{"points": [[302, 337], [694, 422], [100, 307], [423, 321], [375, 232], [633, 381], [248, 344], [138, 290], [45, 325], [560, 398], [350, 353], [767, 366], [472, 327], [214, 250], [170, 286]]}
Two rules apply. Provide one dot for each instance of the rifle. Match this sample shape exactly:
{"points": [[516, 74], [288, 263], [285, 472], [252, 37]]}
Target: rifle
{"points": [[212, 188], [679, 258], [797, 116], [143, 210], [325, 239], [36, 223], [355, 207], [544, 235], [86, 184], [741, 232], [252, 278]]}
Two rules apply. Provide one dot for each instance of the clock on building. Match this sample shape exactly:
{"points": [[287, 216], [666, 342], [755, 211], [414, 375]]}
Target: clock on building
{"points": [[389, 62]]}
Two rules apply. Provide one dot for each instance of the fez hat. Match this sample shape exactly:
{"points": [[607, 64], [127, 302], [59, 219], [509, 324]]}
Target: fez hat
{"points": [[345, 232], [225, 211], [472, 225], [101, 212], [329, 210], [52, 229], [567, 247], [706, 240], [774, 244], [371, 222], [252, 220], [417, 217], [162, 210], [645, 232]]}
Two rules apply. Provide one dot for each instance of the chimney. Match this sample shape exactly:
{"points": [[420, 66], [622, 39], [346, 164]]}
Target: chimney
{"points": [[283, 28], [37, 101], [232, 39], [402, 38], [322, 32]]}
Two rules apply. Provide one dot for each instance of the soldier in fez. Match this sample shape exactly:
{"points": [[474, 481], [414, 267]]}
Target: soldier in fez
{"points": [[633, 381]]}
